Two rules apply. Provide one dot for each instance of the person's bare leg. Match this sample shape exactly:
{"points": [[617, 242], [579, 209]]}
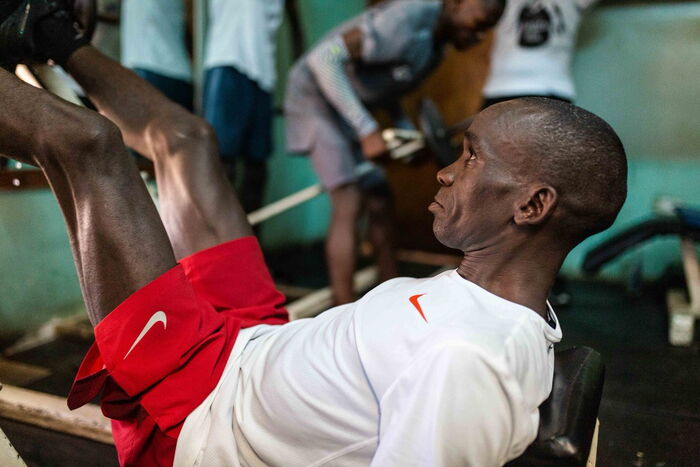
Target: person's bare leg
{"points": [[341, 243], [198, 205], [381, 234], [118, 241]]}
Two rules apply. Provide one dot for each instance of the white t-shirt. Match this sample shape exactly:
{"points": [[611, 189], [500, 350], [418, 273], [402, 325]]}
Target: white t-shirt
{"points": [[242, 34], [533, 46], [433, 371], [153, 37]]}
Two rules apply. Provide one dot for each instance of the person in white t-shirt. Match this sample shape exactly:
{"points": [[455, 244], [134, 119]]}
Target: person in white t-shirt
{"points": [[533, 46], [153, 45], [191, 360], [240, 76]]}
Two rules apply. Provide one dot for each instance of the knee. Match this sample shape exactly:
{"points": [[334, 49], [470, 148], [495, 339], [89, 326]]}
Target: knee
{"points": [[346, 201], [183, 136], [85, 136]]}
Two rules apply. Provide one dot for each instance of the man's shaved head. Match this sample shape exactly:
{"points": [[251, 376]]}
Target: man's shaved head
{"points": [[531, 167], [575, 152]]}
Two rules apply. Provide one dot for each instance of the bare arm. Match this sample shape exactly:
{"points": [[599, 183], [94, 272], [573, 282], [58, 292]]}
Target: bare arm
{"points": [[327, 62]]}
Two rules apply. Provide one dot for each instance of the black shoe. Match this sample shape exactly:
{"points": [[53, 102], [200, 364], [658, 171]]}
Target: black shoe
{"points": [[17, 27]]}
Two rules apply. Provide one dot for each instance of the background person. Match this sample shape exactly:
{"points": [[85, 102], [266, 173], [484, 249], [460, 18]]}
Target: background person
{"points": [[239, 81], [533, 47], [368, 62], [153, 44]]}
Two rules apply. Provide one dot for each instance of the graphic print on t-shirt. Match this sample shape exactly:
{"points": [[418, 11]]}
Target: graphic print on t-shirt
{"points": [[538, 21]]}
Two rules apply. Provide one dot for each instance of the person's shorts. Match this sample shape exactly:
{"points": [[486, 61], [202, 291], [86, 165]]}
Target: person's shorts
{"points": [[176, 90], [160, 353], [241, 114], [333, 148]]}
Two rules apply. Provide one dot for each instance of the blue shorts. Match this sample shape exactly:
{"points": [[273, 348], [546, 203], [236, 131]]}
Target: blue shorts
{"points": [[174, 89], [241, 114]]}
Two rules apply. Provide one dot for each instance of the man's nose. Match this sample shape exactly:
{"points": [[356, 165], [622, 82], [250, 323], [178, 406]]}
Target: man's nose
{"points": [[445, 177]]}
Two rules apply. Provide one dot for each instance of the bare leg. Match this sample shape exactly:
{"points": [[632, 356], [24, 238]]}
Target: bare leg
{"points": [[118, 241], [341, 244], [198, 206], [381, 234]]}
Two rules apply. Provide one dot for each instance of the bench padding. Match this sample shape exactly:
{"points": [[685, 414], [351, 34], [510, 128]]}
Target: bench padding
{"points": [[568, 416]]}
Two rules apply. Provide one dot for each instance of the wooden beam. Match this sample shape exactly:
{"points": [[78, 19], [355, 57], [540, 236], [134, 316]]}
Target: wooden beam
{"points": [[21, 374], [51, 412], [16, 180]]}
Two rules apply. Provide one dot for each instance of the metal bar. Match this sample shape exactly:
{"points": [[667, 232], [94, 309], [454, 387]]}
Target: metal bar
{"points": [[284, 204]]}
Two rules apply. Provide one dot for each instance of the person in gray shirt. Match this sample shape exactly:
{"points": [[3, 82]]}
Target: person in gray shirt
{"points": [[366, 63]]}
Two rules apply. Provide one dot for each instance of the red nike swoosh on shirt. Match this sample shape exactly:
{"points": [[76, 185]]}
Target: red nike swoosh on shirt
{"points": [[414, 302]]}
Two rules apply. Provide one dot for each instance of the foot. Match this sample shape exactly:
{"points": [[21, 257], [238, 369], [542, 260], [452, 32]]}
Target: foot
{"points": [[18, 20]]}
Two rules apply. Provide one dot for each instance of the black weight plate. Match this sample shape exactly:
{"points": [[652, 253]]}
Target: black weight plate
{"points": [[435, 133]]}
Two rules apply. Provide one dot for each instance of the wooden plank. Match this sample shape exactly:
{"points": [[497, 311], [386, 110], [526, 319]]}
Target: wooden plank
{"points": [[428, 258], [16, 180], [294, 291], [21, 374], [48, 411]]}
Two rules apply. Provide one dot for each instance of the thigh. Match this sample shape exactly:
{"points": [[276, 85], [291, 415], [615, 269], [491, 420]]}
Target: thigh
{"points": [[332, 154], [228, 103], [234, 278]]}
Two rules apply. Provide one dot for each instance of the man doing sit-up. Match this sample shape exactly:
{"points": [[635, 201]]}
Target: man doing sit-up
{"points": [[191, 360]]}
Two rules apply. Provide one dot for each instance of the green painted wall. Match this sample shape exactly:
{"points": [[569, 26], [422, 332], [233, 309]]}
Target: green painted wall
{"points": [[37, 275], [638, 67]]}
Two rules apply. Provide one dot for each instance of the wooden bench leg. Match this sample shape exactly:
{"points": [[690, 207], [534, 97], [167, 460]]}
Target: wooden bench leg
{"points": [[683, 313], [593, 453]]}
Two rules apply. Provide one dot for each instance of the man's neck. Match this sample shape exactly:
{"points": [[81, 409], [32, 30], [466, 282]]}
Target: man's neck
{"points": [[519, 276]]}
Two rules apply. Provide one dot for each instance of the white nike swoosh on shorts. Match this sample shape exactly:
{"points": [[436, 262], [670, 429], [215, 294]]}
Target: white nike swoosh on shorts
{"points": [[157, 317]]}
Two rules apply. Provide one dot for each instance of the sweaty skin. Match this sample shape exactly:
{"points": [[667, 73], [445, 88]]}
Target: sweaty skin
{"points": [[503, 245]]}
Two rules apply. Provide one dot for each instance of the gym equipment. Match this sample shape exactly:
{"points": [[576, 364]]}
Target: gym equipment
{"points": [[433, 134], [438, 136], [85, 12], [683, 222], [568, 431]]}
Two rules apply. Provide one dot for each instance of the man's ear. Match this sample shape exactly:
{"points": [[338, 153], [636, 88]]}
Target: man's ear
{"points": [[536, 206]]}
